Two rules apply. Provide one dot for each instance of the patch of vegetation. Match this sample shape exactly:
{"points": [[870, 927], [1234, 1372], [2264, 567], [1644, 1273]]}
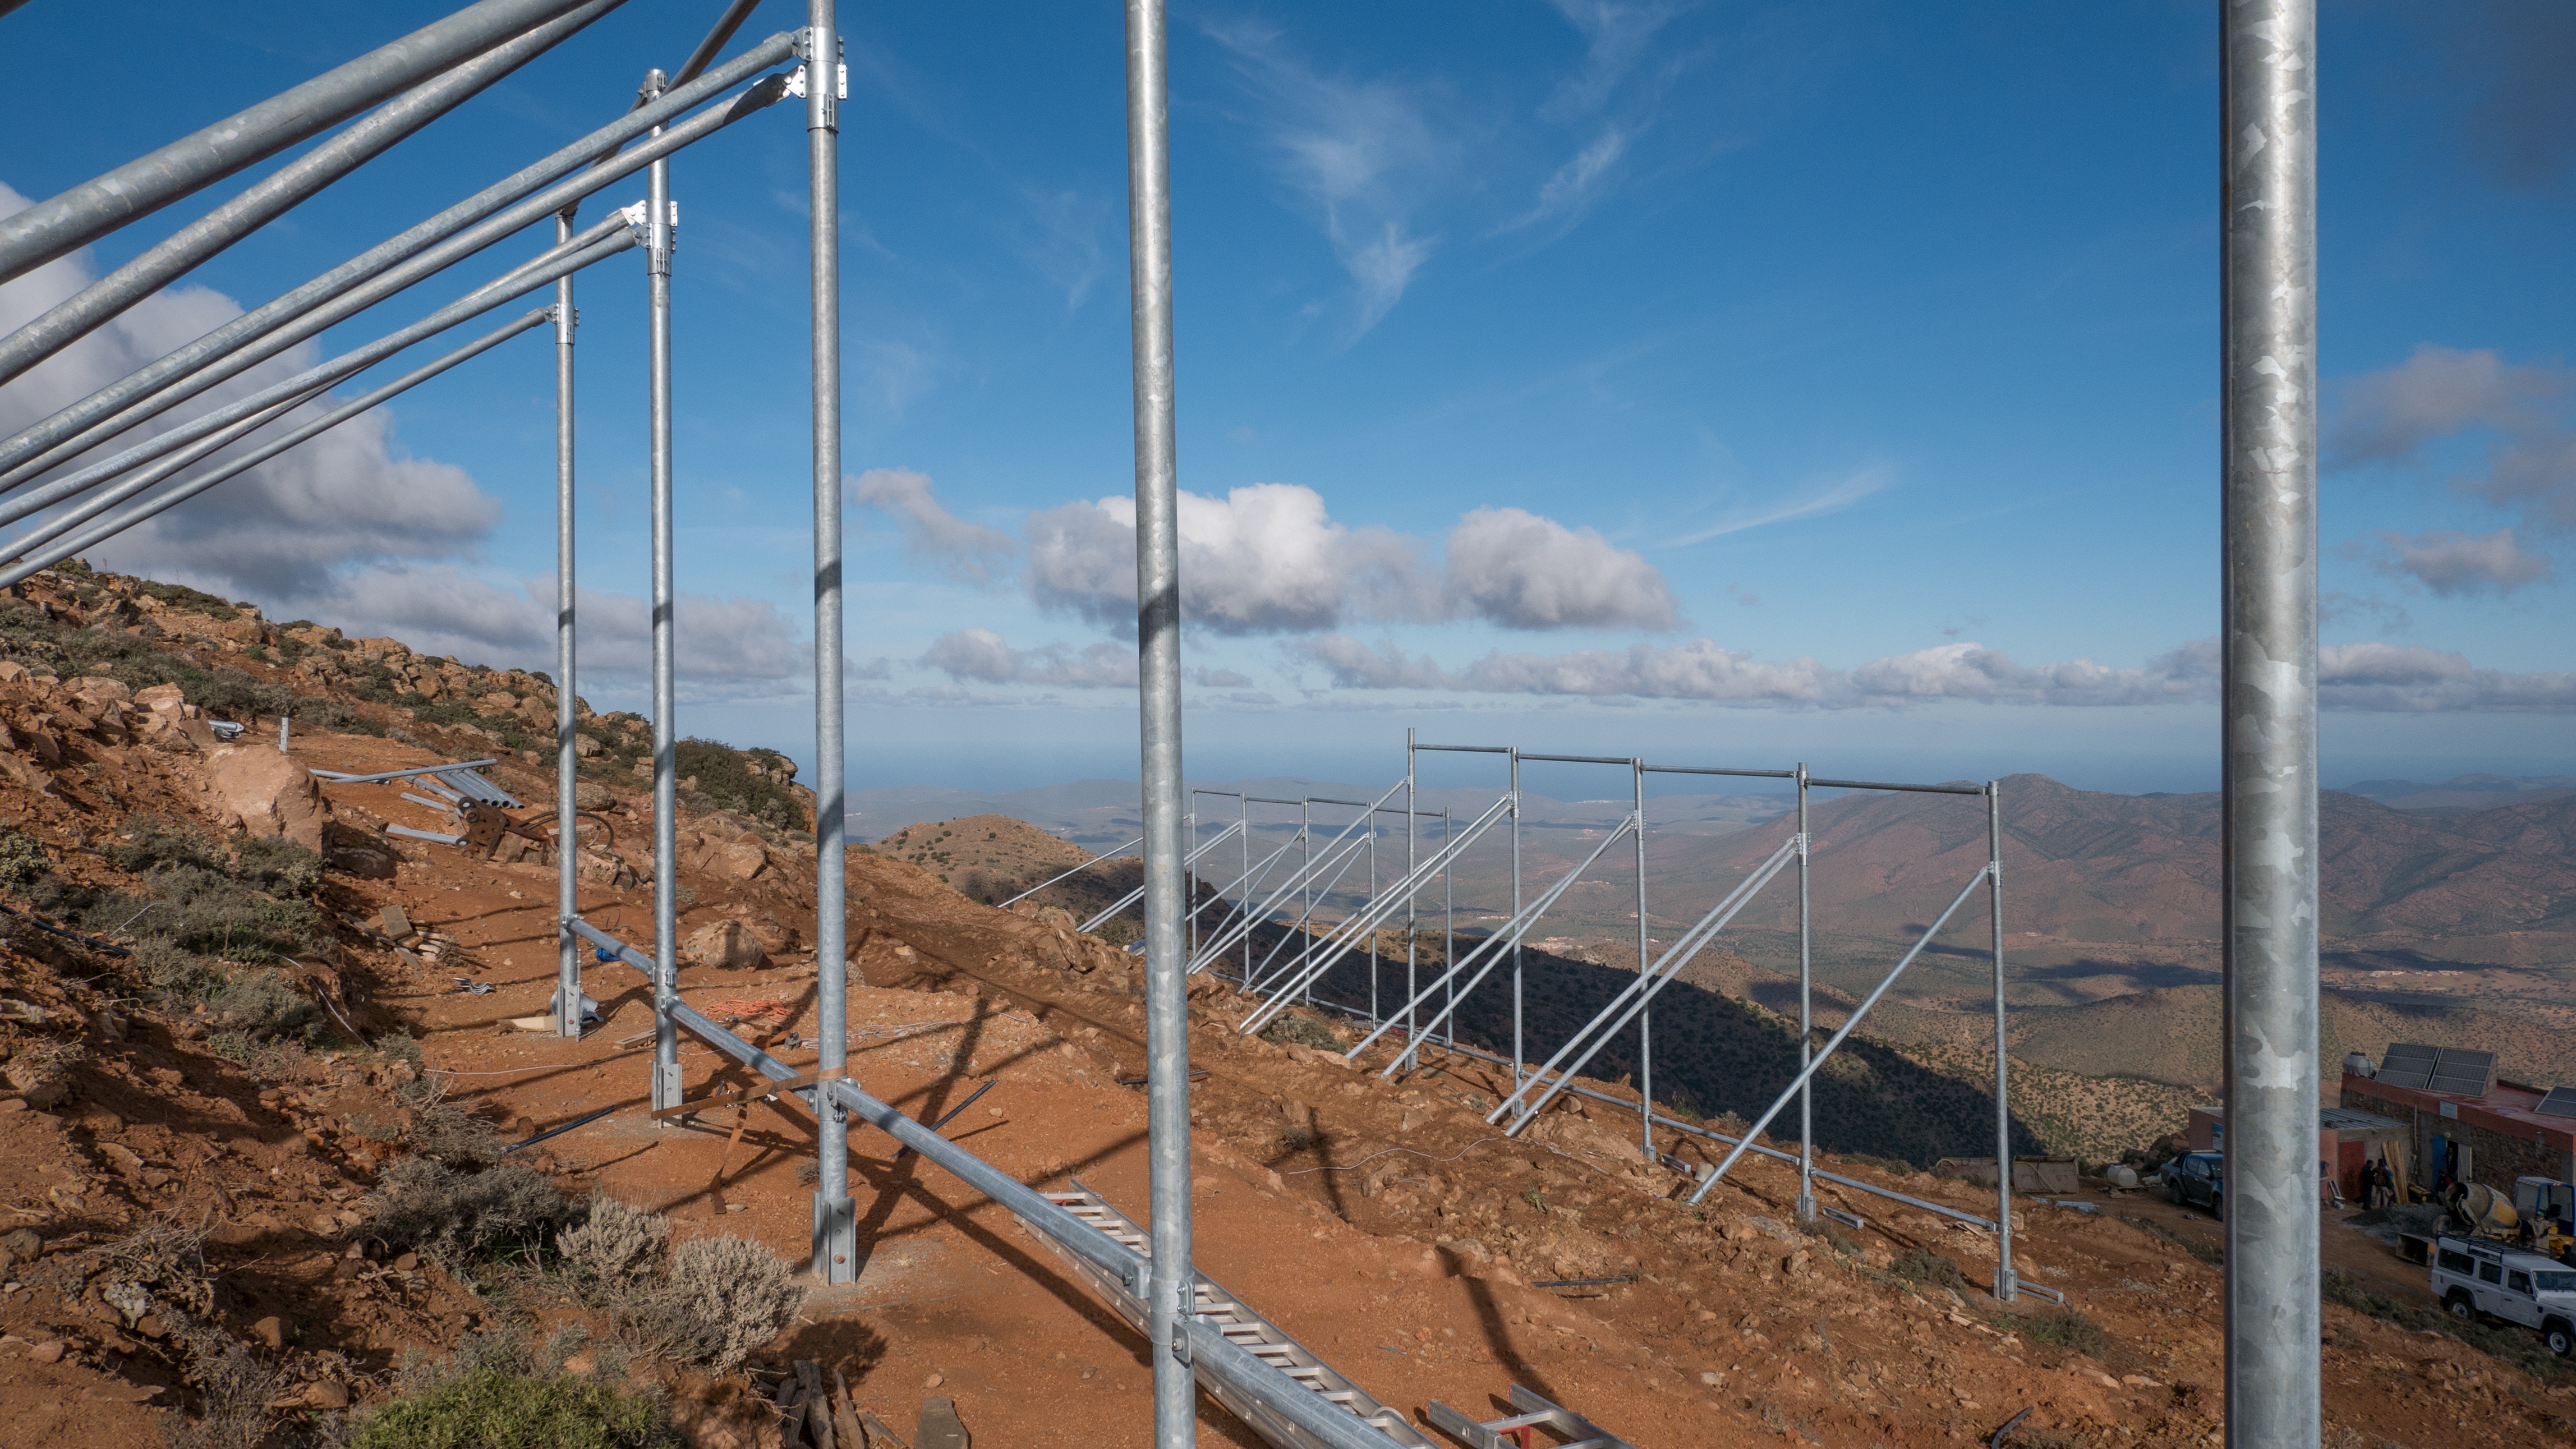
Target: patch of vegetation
{"points": [[2515, 1345], [23, 862], [494, 1394], [186, 600], [1298, 1028], [726, 782], [59, 647], [710, 1301], [2064, 1329], [1536, 1197], [1930, 1269], [2208, 1252], [503, 1212], [237, 694], [336, 715]]}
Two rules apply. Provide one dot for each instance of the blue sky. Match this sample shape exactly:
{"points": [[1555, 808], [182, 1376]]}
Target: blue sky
{"points": [[1732, 383]]}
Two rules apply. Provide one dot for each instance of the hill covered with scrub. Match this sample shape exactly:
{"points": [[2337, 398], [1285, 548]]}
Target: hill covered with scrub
{"points": [[289, 1166]]}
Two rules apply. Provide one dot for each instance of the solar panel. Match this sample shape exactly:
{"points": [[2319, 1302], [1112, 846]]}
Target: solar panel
{"points": [[2561, 1102], [2462, 1073], [2409, 1064]]}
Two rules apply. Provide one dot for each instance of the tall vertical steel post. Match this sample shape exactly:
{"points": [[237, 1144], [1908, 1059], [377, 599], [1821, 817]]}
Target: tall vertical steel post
{"points": [[567, 837], [2268, 627], [1516, 915], [666, 793], [1158, 691], [1646, 1018], [1412, 900], [1306, 898], [836, 1227], [1243, 817], [2006, 1287], [1449, 938], [1806, 1022]]}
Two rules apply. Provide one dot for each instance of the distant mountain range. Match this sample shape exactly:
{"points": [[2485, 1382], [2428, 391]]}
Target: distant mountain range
{"points": [[2463, 793]]}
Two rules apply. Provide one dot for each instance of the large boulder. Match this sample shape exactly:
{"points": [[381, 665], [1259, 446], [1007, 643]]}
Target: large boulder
{"points": [[266, 793], [729, 944]]}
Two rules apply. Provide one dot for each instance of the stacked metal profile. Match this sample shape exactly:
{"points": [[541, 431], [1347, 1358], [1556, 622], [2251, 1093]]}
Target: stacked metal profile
{"points": [[1239, 1325]]}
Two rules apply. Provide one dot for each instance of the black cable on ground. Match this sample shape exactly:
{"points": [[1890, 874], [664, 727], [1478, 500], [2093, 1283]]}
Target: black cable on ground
{"points": [[583, 1120], [1997, 1441], [41, 924]]}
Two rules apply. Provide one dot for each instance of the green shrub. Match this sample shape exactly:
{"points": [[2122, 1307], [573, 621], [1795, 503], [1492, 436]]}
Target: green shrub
{"points": [[23, 862], [236, 694], [506, 1210], [1931, 1269], [2066, 1329], [276, 865], [492, 1394], [719, 1299], [726, 782], [336, 715], [1297, 1028]]}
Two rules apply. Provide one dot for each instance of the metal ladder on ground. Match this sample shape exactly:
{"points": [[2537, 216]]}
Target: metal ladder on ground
{"points": [[1240, 1325], [1513, 1432]]}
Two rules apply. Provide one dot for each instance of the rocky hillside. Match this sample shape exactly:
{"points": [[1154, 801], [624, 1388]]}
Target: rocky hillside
{"points": [[267, 1068]]}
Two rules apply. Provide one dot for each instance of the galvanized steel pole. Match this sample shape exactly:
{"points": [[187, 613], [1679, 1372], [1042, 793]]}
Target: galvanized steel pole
{"points": [[2268, 623], [1158, 657], [1516, 915], [567, 837], [1412, 914], [1646, 1019], [63, 224], [280, 191], [2006, 1287], [1806, 1022], [666, 698], [836, 1224]]}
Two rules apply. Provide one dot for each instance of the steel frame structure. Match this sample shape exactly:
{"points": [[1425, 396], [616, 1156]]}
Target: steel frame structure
{"points": [[1289, 907], [2268, 465]]}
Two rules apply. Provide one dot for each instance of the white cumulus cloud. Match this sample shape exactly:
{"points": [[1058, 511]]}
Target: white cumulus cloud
{"points": [[1522, 571], [985, 657]]}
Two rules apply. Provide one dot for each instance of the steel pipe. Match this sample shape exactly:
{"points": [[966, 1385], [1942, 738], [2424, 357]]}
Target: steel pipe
{"points": [[2268, 729], [279, 192], [1806, 1018], [836, 1224], [666, 696], [134, 513], [1170, 1310], [311, 379], [443, 240], [75, 218], [169, 467], [567, 759], [2004, 1284]]}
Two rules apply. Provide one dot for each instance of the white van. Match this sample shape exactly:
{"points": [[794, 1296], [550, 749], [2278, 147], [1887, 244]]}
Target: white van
{"points": [[2472, 1276]]}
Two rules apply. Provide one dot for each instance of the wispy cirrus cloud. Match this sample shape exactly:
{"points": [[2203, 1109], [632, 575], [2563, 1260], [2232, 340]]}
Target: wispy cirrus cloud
{"points": [[1829, 496], [1361, 154]]}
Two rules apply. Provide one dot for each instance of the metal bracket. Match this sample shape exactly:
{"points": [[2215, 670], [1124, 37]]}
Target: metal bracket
{"points": [[796, 83], [640, 216]]}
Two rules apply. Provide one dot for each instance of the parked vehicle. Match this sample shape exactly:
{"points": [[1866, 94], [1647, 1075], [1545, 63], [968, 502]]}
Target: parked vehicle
{"points": [[2475, 1277], [2198, 1179]]}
